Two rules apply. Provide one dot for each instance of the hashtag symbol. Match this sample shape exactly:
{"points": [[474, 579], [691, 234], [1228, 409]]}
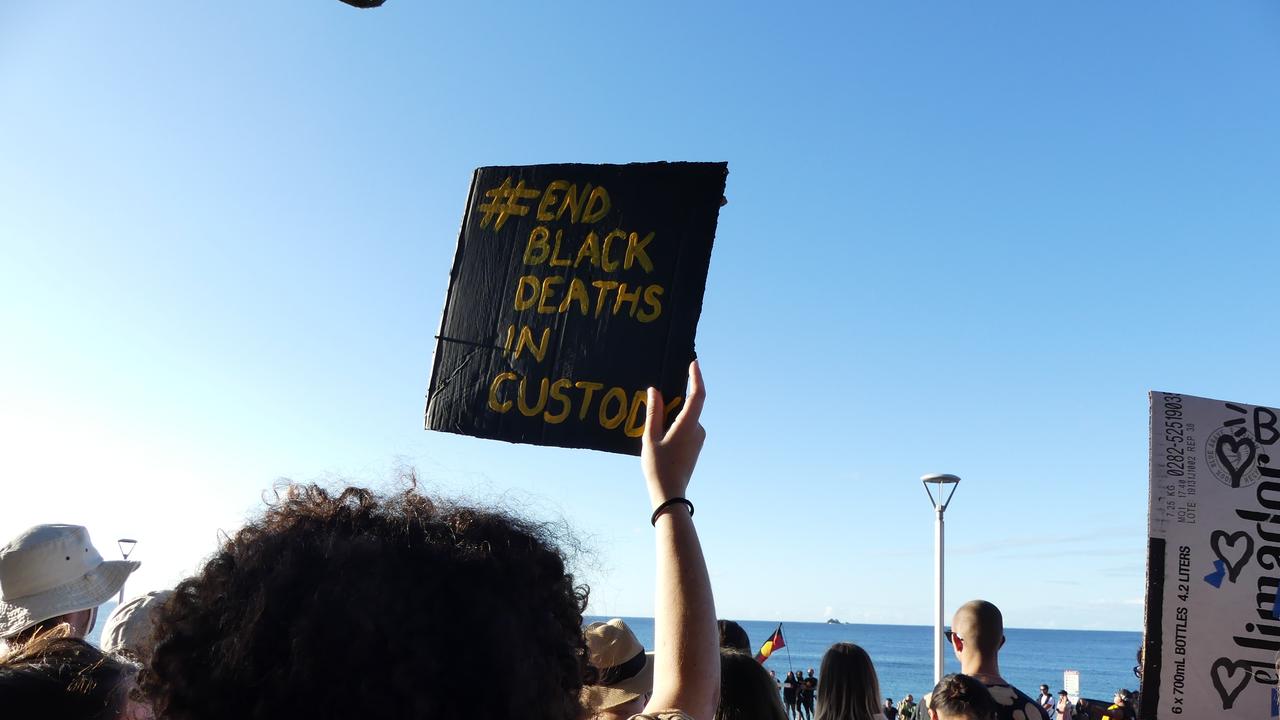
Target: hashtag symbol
{"points": [[505, 200]]}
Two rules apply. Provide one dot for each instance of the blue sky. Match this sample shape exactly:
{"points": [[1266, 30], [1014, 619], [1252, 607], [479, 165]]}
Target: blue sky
{"points": [[959, 239]]}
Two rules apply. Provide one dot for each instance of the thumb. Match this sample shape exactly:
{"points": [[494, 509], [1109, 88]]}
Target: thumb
{"points": [[653, 417]]}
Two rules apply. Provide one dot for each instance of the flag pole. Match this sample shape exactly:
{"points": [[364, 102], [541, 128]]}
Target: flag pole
{"points": [[788, 647]]}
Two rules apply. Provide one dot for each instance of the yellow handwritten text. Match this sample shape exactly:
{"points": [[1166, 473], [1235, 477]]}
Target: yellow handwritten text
{"points": [[601, 252], [588, 205], [551, 295], [554, 401], [561, 196]]}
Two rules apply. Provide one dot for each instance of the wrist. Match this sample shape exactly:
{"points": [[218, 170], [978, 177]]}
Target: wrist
{"points": [[669, 505], [659, 495]]}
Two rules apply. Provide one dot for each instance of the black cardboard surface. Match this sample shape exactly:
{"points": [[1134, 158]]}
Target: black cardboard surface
{"points": [[574, 288]]}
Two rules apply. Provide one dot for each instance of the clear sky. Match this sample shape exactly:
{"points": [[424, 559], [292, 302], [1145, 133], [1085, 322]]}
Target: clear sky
{"points": [[961, 237]]}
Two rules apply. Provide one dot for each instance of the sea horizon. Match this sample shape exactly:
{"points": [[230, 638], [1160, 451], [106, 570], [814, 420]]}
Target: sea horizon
{"points": [[1139, 630], [903, 654]]}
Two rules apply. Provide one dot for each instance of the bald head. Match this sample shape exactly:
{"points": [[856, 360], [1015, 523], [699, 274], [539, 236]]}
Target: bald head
{"points": [[981, 625]]}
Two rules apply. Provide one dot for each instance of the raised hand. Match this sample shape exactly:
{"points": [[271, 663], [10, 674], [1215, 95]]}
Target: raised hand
{"points": [[686, 671], [668, 459]]}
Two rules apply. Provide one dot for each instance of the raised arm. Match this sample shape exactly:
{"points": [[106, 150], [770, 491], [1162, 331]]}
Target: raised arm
{"points": [[686, 672]]}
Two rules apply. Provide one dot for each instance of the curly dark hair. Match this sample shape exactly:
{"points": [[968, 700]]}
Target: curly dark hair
{"points": [[358, 605]]}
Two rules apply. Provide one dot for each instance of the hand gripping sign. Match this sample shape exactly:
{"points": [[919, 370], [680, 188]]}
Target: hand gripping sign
{"points": [[574, 289]]}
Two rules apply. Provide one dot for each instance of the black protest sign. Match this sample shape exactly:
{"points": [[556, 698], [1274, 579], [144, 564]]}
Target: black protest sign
{"points": [[574, 288]]}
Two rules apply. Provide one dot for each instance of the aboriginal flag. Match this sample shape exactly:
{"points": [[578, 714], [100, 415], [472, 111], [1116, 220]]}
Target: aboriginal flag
{"points": [[774, 642]]}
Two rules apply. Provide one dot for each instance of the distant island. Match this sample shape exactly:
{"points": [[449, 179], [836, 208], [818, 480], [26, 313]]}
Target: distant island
{"points": [[833, 621]]}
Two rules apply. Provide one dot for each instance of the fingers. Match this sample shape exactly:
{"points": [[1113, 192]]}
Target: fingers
{"points": [[692, 409], [690, 412], [653, 430]]}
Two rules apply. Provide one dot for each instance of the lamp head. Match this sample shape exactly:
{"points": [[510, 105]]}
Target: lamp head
{"points": [[943, 483], [126, 546]]}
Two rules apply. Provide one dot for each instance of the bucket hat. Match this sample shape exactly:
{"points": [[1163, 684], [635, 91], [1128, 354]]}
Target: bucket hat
{"points": [[52, 570], [624, 669], [128, 629]]}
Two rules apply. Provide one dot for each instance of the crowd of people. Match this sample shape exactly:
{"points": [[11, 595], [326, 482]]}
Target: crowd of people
{"points": [[1124, 706], [798, 694], [354, 604], [905, 710]]}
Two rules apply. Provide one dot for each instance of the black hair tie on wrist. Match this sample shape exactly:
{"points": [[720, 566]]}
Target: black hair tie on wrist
{"points": [[653, 520]]}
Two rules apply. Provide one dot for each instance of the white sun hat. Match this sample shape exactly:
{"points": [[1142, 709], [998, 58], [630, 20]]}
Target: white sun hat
{"points": [[52, 570]]}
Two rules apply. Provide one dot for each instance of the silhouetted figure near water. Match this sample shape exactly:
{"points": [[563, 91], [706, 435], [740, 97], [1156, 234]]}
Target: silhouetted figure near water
{"points": [[806, 692], [790, 690]]}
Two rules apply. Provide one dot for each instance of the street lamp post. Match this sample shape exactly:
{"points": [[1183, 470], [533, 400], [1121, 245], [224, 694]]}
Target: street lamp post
{"points": [[940, 487], [126, 546]]}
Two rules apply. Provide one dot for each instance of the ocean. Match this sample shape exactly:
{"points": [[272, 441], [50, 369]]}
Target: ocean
{"points": [[104, 612], [903, 654]]}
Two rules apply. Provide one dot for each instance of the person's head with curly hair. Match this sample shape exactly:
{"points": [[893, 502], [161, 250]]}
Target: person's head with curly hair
{"points": [[357, 605]]}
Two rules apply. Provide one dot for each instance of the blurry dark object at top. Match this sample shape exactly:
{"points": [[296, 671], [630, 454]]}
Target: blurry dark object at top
{"points": [[366, 4]]}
